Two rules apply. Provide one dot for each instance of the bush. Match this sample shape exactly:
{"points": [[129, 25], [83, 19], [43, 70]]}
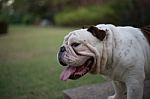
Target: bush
{"points": [[28, 19], [85, 15]]}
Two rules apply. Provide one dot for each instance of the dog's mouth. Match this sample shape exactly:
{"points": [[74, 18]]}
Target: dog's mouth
{"points": [[72, 72]]}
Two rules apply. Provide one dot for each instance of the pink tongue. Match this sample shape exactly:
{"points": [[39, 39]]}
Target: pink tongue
{"points": [[67, 72]]}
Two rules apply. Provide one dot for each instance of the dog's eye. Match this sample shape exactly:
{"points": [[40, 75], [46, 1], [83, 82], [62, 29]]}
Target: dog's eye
{"points": [[75, 44]]}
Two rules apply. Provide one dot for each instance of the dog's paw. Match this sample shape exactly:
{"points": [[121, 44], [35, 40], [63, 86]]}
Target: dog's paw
{"points": [[114, 97], [111, 97]]}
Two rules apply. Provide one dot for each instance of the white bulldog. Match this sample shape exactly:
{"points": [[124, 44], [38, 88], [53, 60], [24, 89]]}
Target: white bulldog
{"points": [[121, 54]]}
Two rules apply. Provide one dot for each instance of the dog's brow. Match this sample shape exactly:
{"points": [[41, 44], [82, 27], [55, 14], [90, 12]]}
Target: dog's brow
{"points": [[67, 37]]}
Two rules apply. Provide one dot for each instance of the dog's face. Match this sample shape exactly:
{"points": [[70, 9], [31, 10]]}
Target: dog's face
{"points": [[78, 52]]}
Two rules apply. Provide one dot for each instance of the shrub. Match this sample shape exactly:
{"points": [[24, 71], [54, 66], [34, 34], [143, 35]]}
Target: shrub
{"points": [[28, 19], [85, 15]]}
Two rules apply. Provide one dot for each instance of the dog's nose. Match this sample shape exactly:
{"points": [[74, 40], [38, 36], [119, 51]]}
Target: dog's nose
{"points": [[62, 49], [60, 56]]}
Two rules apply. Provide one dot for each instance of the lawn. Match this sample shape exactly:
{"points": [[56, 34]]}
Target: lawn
{"points": [[29, 67]]}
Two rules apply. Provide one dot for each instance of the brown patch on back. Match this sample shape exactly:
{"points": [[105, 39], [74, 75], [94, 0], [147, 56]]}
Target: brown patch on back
{"points": [[146, 32]]}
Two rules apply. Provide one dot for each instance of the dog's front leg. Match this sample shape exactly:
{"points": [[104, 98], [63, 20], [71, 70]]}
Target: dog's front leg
{"points": [[119, 90], [134, 88]]}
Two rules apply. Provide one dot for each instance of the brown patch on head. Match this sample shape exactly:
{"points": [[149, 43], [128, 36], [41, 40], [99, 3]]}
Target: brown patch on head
{"points": [[146, 32], [100, 34]]}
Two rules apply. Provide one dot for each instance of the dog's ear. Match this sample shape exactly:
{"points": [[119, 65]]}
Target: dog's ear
{"points": [[100, 34]]}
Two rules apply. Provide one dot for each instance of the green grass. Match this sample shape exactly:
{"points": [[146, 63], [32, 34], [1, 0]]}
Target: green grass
{"points": [[29, 67]]}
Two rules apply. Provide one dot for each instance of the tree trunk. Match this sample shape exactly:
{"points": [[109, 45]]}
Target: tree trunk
{"points": [[3, 27]]}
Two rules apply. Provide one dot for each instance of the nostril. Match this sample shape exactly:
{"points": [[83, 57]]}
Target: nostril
{"points": [[62, 49]]}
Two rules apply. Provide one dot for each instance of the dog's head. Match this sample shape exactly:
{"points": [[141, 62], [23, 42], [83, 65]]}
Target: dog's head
{"points": [[80, 52]]}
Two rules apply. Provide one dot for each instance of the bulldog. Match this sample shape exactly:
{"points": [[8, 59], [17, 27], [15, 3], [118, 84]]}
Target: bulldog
{"points": [[121, 54]]}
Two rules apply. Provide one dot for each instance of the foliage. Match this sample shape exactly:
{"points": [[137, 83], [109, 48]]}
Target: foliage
{"points": [[4, 11], [31, 10], [132, 12], [4, 17], [120, 12], [85, 15], [28, 19]]}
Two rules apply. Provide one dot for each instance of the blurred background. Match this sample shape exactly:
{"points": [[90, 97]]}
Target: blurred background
{"points": [[31, 32]]}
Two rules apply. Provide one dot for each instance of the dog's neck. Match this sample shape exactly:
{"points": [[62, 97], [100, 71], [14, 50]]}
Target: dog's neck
{"points": [[110, 45]]}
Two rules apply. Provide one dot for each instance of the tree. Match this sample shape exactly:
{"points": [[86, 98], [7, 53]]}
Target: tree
{"points": [[4, 11], [132, 12]]}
